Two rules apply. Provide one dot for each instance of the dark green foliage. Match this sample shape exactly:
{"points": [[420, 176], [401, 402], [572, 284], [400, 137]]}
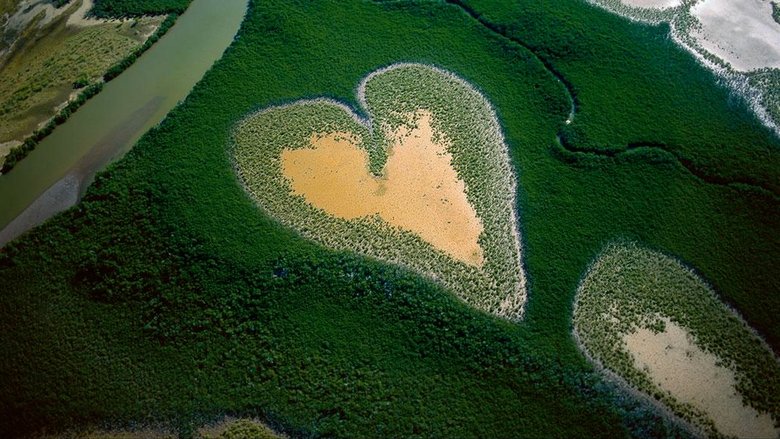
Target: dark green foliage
{"points": [[81, 82], [776, 12], [642, 103], [167, 294], [135, 8]]}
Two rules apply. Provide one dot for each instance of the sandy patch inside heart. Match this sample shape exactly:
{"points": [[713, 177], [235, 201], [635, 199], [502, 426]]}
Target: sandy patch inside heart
{"points": [[419, 190]]}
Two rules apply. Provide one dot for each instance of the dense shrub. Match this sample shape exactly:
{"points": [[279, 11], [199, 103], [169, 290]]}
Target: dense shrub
{"points": [[135, 8]]}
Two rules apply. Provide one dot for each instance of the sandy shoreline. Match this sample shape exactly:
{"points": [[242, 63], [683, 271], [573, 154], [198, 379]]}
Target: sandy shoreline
{"points": [[59, 197], [67, 191]]}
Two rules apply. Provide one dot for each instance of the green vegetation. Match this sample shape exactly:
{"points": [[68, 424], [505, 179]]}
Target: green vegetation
{"points": [[479, 158], [758, 87], [135, 8], [29, 144], [767, 80], [167, 294], [678, 170], [776, 12], [629, 287], [7, 7]]}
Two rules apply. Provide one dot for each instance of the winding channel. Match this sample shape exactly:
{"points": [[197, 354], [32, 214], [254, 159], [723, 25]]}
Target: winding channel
{"points": [[738, 184], [57, 173]]}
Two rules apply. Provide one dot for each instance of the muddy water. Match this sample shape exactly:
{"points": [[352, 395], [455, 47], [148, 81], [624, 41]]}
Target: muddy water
{"points": [[419, 191], [109, 124], [694, 376]]}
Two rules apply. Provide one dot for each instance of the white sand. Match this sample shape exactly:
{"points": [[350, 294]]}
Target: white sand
{"points": [[694, 377], [420, 190], [29, 9], [652, 4], [741, 32]]}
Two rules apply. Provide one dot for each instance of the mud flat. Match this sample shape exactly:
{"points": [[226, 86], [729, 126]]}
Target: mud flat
{"points": [[742, 33], [425, 183], [655, 326]]}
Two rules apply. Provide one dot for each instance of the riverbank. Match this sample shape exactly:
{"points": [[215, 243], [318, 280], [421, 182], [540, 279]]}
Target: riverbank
{"points": [[111, 122]]}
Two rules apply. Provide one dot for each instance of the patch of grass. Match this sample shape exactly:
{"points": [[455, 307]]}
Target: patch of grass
{"points": [[7, 7], [244, 429]]}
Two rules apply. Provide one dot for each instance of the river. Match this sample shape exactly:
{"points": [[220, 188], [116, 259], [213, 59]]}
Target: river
{"points": [[55, 175]]}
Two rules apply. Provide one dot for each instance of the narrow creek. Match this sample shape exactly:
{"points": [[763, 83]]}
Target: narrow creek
{"points": [[55, 175]]}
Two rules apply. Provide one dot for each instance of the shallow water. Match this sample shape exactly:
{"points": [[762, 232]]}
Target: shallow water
{"points": [[110, 123]]}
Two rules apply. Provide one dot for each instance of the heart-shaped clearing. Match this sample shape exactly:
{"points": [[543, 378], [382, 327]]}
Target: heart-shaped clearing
{"points": [[419, 191], [426, 183]]}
